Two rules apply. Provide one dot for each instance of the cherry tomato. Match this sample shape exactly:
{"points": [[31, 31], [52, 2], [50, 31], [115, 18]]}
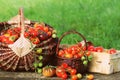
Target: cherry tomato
{"points": [[26, 34], [64, 76], [68, 55], [73, 71], [39, 27], [69, 50], [35, 40], [46, 29], [74, 77], [91, 48], [61, 52], [99, 49], [64, 65], [80, 44], [10, 31], [31, 30], [73, 52], [112, 51], [34, 33], [90, 77], [80, 54], [49, 33], [60, 71], [88, 53]]}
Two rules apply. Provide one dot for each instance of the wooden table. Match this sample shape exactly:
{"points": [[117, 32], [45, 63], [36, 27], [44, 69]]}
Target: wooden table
{"points": [[34, 76]]}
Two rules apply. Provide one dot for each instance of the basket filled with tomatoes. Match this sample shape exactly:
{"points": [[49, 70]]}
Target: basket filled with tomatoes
{"points": [[77, 56], [23, 42]]}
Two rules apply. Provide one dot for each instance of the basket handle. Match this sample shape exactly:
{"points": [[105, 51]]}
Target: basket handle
{"points": [[21, 21], [70, 32]]}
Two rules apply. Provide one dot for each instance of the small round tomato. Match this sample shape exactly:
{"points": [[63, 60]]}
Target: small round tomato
{"points": [[69, 50], [46, 29], [31, 29], [112, 51], [64, 65], [64, 76], [73, 71], [90, 77], [68, 55], [74, 77], [60, 71], [49, 33], [99, 49], [60, 53], [80, 54], [88, 53], [80, 44], [73, 52], [26, 34], [10, 31], [34, 33], [35, 40], [91, 48], [39, 27]]}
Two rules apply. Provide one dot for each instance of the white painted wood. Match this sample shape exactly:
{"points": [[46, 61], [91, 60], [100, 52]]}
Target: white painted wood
{"points": [[105, 63]]}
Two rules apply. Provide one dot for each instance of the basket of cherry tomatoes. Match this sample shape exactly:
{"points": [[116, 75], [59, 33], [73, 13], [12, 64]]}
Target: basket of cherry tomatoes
{"points": [[40, 34], [77, 56]]}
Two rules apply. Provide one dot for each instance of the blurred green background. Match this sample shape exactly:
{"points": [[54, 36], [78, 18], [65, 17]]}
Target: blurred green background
{"points": [[97, 20]]}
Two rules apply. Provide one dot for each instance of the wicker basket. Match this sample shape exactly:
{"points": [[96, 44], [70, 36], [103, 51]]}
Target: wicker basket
{"points": [[74, 63], [9, 61]]}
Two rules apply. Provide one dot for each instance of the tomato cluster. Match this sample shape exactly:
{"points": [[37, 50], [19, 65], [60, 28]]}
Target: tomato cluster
{"points": [[75, 51], [10, 35], [36, 33], [64, 71], [101, 49]]}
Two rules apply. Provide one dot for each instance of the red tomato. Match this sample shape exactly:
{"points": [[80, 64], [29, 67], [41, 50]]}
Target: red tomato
{"points": [[60, 53], [35, 40], [99, 49], [34, 33], [60, 71], [39, 27], [80, 54], [69, 69], [112, 51], [73, 52], [64, 76], [80, 44], [68, 55], [73, 71], [17, 29], [10, 31], [49, 33], [88, 53], [74, 77], [69, 50], [64, 65], [31, 29], [46, 29], [26, 34], [84, 48], [91, 48]]}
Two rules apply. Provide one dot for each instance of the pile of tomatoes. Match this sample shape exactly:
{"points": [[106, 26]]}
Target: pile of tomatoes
{"points": [[101, 49], [77, 51], [36, 33], [64, 71]]}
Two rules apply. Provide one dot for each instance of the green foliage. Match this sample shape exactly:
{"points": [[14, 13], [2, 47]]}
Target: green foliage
{"points": [[97, 20]]}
